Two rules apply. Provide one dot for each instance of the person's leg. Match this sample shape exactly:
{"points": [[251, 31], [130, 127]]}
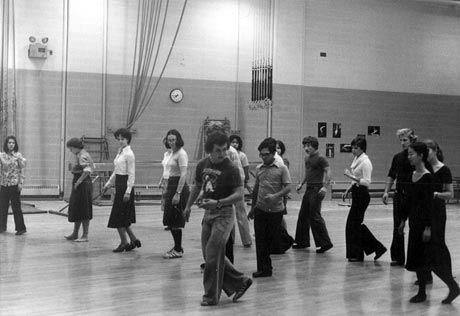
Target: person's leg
{"points": [[4, 205], [84, 237], [353, 234], [317, 223], [421, 295], [214, 236], [302, 232], [397, 245], [243, 223], [229, 246], [15, 197], [76, 228], [261, 228], [132, 237], [124, 244]]}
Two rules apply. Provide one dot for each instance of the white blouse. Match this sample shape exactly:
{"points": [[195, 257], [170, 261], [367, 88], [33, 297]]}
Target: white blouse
{"points": [[125, 164], [361, 167]]}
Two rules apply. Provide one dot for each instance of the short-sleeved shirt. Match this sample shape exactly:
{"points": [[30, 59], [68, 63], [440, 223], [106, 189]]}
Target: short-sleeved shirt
{"points": [[164, 162], [11, 166], [314, 169], [176, 161], [84, 163], [243, 159], [217, 181], [401, 170], [124, 164], [271, 179]]}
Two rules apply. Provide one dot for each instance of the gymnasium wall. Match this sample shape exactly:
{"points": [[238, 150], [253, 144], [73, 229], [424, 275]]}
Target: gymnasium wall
{"points": [[389, 63]]}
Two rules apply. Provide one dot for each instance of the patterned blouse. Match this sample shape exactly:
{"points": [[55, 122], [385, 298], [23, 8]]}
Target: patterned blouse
{"points": [[84, 163], [11, 169], [125, 164]]}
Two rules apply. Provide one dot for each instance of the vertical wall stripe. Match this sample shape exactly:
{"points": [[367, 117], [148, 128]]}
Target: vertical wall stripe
{"points": [[65, 50], [104, 66]]}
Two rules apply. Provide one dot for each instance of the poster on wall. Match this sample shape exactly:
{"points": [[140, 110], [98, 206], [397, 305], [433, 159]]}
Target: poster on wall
{"points": [[330, 150], [322, 129], [373, 130], [345, 148], [337, 130]]}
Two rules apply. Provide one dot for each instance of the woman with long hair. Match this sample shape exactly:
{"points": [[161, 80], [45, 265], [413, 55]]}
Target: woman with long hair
{"points": [[81, 201], [177, 192], [123, 210], [12, 164], [420, 194], [441, 262]]}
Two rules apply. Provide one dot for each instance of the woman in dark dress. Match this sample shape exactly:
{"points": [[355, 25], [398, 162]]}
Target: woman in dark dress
{"points": [[123, 212], [80, 204], [420, 194], [440, 261]]}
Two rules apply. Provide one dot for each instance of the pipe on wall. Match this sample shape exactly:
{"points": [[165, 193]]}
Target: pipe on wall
{"points": [[104, 67]]}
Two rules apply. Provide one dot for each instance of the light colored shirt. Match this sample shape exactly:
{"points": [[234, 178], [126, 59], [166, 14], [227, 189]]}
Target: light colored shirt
{"points": [[176, 161], [125, 164], [233, 155], [84, 163], [361, 167], [271, 179], [244, 159], [11, 169]]}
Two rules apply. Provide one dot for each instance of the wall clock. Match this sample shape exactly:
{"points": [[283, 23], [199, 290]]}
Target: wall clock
{"points": [[176, 95]]}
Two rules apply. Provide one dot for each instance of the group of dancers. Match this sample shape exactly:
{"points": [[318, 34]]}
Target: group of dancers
{"points": [[423, 184]]}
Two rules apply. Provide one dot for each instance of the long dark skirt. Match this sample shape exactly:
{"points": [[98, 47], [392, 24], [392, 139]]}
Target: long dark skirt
{"points": [[418, 251], [123, 213], [81, 200], [172, 215]]}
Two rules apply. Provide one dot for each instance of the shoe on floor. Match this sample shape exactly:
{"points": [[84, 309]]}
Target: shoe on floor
{"points": [[396, 263], [71, 237], [21, 232], [379, 253], [173, 254], [453, 293], [430, 281], [323, 249], [206, 303], [85, 239], [262, 274], [355, 259], [419, 298], [240, 292]]}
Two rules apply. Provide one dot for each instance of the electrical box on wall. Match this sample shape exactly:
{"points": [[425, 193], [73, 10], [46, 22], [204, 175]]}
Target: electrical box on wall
{"points": [[38, 50]]}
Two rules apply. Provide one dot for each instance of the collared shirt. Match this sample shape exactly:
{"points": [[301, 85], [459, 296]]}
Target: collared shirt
{"points": [[361, 167], [84, 163], [271, 179], [124, 164], [11, 169], [164, 162]]}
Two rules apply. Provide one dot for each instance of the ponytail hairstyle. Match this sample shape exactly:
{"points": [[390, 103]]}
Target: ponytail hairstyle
{"points": [[435, 147]]}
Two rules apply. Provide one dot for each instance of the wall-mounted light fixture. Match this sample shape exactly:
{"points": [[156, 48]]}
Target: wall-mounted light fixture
{"points": [[39, 50]]}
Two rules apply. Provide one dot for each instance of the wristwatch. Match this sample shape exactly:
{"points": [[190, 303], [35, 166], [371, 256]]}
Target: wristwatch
{"points": [[218, 204]]}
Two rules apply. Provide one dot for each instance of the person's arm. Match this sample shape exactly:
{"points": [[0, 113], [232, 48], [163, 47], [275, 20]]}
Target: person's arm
{"points": [[326, 181], [388, 186], [299, 187], [447, 194], [191, 199], [180, 185], [255, 194], [86, 162]]}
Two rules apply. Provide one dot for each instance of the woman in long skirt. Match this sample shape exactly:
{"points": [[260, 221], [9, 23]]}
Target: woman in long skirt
{"points": [[123, 211], [81, 201]]}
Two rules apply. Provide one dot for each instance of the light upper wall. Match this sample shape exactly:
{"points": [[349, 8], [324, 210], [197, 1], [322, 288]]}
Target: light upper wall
{"points": [[392, 45]]}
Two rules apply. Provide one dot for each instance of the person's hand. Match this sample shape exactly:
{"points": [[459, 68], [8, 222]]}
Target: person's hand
{"points": [[251, 214], [126, 197], [270, 198], [299, 187], [426, 237], [322, 193], [75, 186], [347, 173], [19, 187], [160, 184], [105, 188], [401, 227], [175, 199], [186, 213], [344, 195], [385, 198], [208, 204]]}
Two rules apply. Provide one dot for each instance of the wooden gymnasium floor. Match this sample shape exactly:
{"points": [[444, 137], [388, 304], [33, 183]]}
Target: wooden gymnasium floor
{"points": [[41, 273]]}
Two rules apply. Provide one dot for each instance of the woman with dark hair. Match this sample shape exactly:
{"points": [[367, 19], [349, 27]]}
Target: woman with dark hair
{"points": [[441, 263], [11, 179], [177, 192], [420, 194], [81, 201], [123, 211], [359, 239]]}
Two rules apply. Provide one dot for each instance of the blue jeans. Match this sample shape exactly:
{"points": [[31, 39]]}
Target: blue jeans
{"points": [[219, 273]]}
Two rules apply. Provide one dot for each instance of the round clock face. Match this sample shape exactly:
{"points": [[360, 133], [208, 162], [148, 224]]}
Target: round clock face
{"points": [[176, 95]]}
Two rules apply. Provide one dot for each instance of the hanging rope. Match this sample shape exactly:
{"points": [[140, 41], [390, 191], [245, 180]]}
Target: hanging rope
{"points": [[151, 21], [262, 63], [8, 72]]}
